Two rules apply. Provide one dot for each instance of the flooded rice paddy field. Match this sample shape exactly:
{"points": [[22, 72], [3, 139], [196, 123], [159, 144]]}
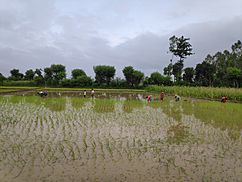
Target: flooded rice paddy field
{"points": [[84, 139]]}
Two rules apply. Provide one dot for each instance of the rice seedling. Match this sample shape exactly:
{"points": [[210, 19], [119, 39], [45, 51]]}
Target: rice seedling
{"points": [[92, 139]]}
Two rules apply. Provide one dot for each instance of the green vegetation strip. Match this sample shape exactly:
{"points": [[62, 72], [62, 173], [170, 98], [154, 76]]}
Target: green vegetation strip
{"points": [[99, 89], [17, 87], [6, 90], [200, 92]]}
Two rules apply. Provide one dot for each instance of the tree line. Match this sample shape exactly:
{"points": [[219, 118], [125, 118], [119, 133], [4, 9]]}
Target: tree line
{"points": [[222, 69], [55, 76]]}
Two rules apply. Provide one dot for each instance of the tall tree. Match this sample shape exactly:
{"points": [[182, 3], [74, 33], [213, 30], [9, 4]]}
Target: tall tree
{"points": [[2, 78], [16, 75], [38, 78], [104, 74], [138, 76], [59, 71], [54, 74], [132, 76], [128, 74], [48, 76], [29, 74], [155, 78], [177, 70], [204, 74], [38, 72], [234, 75], [168, 70], [181, 48], [188, 75], [81, 81], [237, 54], [77, 72]]}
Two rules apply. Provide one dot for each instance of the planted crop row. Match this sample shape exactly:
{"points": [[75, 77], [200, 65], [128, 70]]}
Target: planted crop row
{"points": [[94, 138], [233, 94]]}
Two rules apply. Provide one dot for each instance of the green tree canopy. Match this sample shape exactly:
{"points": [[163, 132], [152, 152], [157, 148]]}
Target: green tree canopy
{"points": [[204, 74], [138, 76], [54, 74], [132, 76], [2, 78], [155, 78], [29, 74], [104, 74], [38, 72], [128, 74], [234, 75], [188, 75], [180, 47], [81, 81], [77, 72], [177, 70], [16, 75], [59, 71], [168, 70]]}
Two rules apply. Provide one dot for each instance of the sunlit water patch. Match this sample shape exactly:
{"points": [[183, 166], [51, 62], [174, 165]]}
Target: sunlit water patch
{"points": [[76, 139]]}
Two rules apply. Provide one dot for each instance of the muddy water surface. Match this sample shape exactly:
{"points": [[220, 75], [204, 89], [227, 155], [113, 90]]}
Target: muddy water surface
{"points": [[77, 139]]}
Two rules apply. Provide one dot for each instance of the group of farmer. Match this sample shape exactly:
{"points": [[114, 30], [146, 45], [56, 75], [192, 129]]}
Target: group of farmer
{"points": [[162, 96], [92, 93], [224, 99], [45, 93]]}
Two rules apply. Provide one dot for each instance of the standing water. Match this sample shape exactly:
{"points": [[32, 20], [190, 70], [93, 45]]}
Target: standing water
{"points": [[81, 139]]}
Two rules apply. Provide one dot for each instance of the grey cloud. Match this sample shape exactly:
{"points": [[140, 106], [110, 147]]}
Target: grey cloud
{"points": [[147, 52], [211, 37], [37, 35]]}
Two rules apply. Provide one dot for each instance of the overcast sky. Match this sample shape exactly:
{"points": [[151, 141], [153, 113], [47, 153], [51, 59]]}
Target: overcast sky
{"points": [[82, 34]]}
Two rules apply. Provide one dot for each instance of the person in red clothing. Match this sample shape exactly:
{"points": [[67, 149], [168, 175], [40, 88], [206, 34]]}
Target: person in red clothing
{"points": [[148, 98], [224, 99], [162, 95]]}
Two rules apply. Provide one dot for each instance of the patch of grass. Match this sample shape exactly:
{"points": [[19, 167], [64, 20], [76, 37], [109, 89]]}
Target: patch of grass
{"points": [[104, 105], [233, 94], [17, 87], [78, 102], [130, 105], [7, 90]]}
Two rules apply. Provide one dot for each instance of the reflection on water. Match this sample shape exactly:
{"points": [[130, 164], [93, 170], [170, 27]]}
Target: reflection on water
{"points": [[98, 94], [76, 139]]}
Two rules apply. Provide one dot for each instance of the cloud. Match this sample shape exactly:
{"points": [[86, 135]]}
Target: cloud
{"points": [[36, 34]]}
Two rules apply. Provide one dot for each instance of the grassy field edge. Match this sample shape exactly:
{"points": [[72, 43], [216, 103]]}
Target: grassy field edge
{"points": [[233, 94]]}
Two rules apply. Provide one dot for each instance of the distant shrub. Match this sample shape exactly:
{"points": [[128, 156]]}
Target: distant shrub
{"points": [[19, 83]]}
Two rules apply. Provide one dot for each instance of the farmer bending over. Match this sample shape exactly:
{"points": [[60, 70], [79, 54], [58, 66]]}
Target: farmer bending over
{"points": [[84, 93], [148, 98], [177, 98], [224, 99], [42, 93], [162, 95], [92, 93]]}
